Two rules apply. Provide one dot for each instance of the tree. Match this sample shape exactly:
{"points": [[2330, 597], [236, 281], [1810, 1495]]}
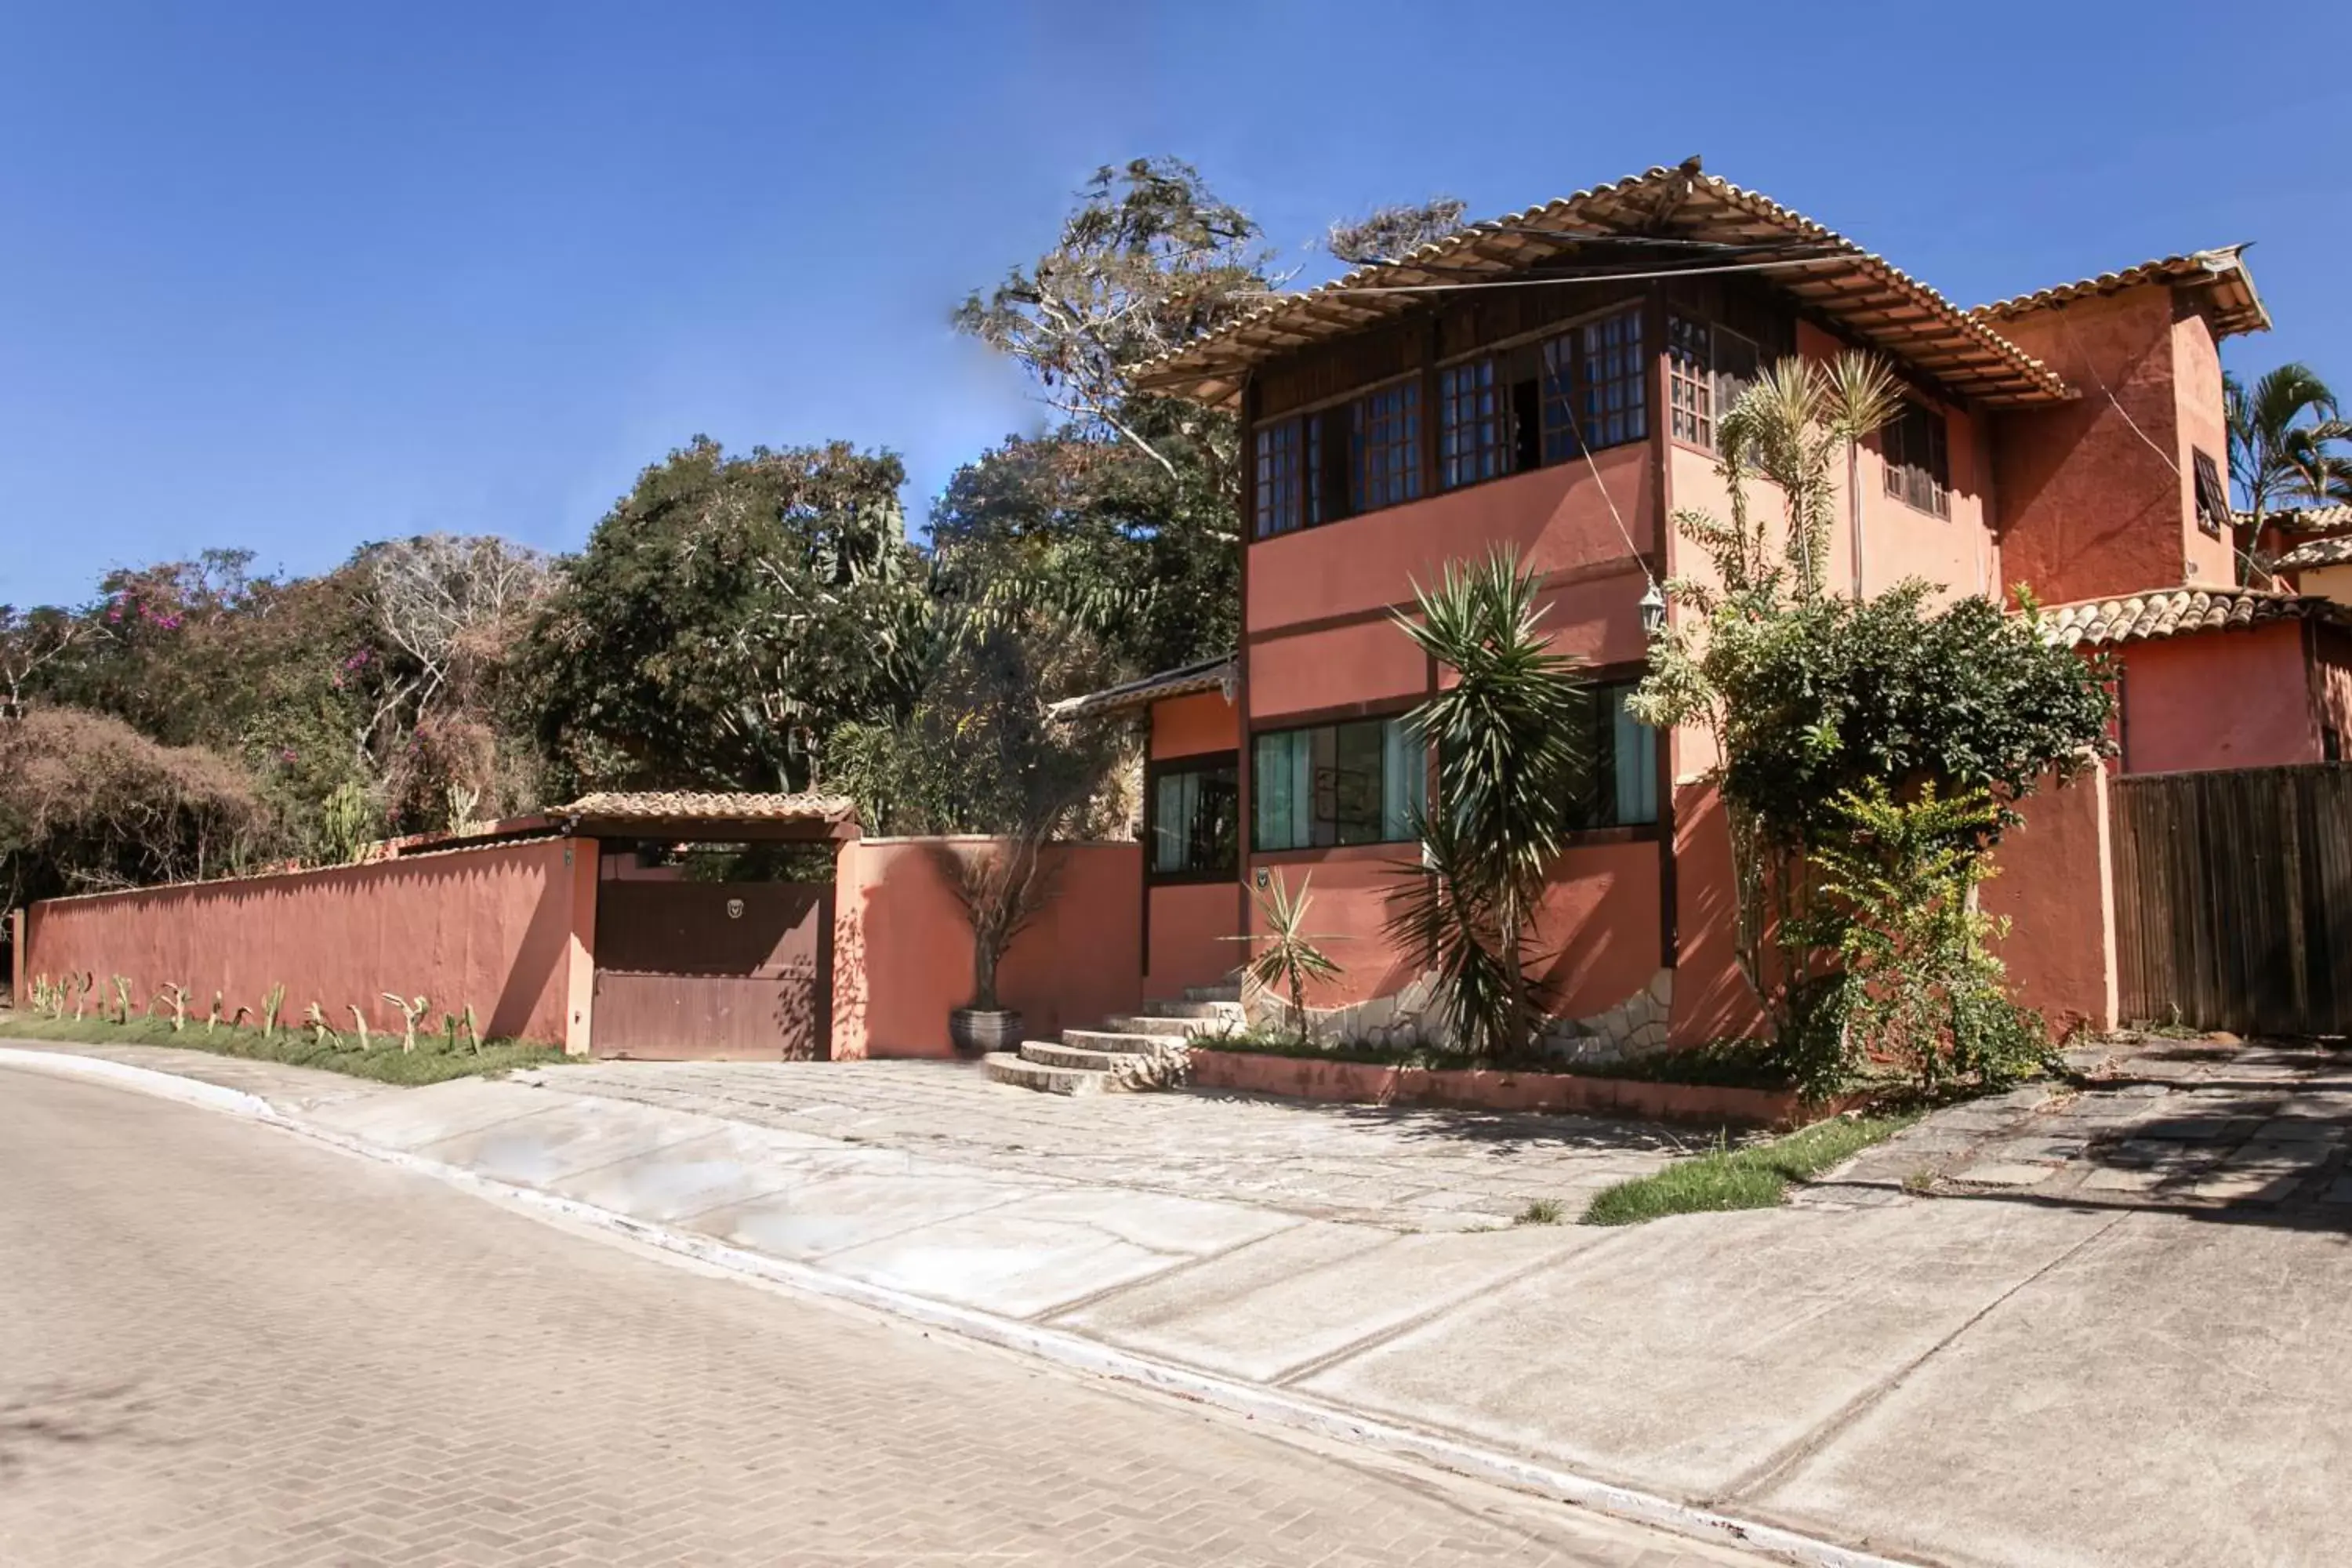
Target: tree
{"points": [[1812, 699], [1507, 763], [727, 616], [2283, 435], [1150, 261], [1388, 233]]}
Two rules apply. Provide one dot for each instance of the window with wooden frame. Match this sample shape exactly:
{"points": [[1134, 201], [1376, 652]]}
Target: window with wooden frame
{"points": [[1595, 387], [2212, 496], [1471, 436], [1364, 781], [1618, 784], [1690, 382], [1917, 467], [1193, 818], [1385, 446], [1281, 476]]}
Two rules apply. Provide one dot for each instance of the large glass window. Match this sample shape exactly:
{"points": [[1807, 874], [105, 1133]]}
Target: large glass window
{"points": [[1619, 786], [1595, 387], [1708, 370], [1386, 432], [1280, 478], [1195, 818], [1365, 782], [1470, 428]]}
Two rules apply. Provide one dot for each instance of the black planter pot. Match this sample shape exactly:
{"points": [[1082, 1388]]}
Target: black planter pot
{"points": [[976, 1031]]}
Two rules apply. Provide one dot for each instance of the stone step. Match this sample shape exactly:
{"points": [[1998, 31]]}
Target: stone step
{"points": [[1046, 1053], [1159, 1009], [1159, 1028], [1112, 1042], [1230, 991], [1005, 1066]]}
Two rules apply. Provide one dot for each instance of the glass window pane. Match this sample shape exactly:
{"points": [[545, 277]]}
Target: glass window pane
{"points": [[1404, 781], [1635, 745], [1175, 804], [1283, 777]]}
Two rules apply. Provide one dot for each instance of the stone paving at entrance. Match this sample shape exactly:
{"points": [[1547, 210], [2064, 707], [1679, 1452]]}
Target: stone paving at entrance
{"points": [[2204, 1123], [1408, 1169]]}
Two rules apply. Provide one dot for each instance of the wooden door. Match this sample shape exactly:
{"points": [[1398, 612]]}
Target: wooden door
{"points": [[713, 971]]}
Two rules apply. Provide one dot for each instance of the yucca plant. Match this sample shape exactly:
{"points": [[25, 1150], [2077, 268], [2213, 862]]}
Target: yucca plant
{"points": [[321, 1032], [359, 1026], [272, 1001], [176, 998], [1286, 957], [84, 983], [1505, 730], [213, 1018], [121, 984]]}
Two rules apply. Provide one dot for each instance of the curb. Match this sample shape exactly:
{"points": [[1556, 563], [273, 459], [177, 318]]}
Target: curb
{"points": [[1279, 1407]]}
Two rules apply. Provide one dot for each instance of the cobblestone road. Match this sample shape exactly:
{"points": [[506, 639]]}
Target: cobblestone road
{"points": [[224, 1346], [1414, 1169]]}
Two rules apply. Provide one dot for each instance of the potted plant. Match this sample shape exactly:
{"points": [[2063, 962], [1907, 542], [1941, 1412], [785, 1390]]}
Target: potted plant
{"points": [[1002, 887]]}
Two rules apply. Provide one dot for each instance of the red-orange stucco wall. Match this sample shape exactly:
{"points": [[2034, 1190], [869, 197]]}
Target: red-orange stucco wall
{"points": [[1190, 726], [2217, 700], [1191, 925], [2054, 883], [495, 929], [2088, 507], [902, 948]]}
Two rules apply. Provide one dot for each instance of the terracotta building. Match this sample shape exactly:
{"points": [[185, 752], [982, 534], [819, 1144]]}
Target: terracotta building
{"points": [[1551, 381]]}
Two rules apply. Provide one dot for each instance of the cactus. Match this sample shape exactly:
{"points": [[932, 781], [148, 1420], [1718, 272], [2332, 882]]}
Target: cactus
{"points": [[412, 1012], [271, 1001], [359, 1026], [213, 1018], [84, 983], [121, 999], [473, 1029], [42, 996], [177, 997]]}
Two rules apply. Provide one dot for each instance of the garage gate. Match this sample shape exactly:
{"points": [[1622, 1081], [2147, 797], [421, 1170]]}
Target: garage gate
{"points": [[713, 971]]}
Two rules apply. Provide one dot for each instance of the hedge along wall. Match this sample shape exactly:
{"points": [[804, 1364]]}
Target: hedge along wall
{"points": [[505, 928], [902, 947]]}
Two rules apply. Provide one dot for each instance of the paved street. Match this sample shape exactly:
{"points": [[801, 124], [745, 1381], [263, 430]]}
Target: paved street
{"points": [[225, 1346]]}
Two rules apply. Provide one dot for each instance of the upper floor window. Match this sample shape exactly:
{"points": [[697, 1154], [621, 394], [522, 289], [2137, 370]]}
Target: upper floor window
{"points": [[1611, 403], [1917, 468], [2212, 496], [1619, 782], [1471, 437], [1365, 782], [1281, 475], [1386, 445], [1708, 368], [1195, 806]]}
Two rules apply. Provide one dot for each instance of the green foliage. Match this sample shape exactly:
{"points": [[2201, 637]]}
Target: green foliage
{"points": [[1917, 993], [329, 1051], [1751, 1178], [727, 616], [1812, 699], [1540, 1211], [1504, 729], [2286, 438], [1286, 958], [347, 823]]}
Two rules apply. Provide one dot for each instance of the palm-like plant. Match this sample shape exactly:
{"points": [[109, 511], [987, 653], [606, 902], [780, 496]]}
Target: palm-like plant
{"points": [[2283, 435], [1505, 728], [1287, 956]]}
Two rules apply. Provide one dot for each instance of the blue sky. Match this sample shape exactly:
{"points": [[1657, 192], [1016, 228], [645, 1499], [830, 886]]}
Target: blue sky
{"points": [[298, 276]]}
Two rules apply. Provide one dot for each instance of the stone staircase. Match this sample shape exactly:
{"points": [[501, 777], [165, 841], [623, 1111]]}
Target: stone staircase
{"points": [[1145, 1050]]}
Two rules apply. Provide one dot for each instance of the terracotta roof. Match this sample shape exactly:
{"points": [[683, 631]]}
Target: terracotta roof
{"points": [[2177, 612], [2220, 275], [1877, 302], [2335, 551], [671, 806], [2303, 518], [1209, 675]]}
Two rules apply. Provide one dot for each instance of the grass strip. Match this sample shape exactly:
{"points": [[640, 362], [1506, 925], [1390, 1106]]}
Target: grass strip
{"points": [[1754, 1177], [435, 1060]]}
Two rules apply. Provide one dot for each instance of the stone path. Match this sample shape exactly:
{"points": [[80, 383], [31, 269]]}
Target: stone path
{"points": [[1413, 1169], [2195, 1124], [226, 1347]]}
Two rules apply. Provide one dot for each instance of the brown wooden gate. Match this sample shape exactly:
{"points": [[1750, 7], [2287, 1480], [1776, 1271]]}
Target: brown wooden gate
{"points": [[713, 971], [2233, 899]]}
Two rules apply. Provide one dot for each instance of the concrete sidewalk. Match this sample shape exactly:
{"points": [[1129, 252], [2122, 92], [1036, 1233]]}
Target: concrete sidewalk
{"points": [[1983, 1378]]}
